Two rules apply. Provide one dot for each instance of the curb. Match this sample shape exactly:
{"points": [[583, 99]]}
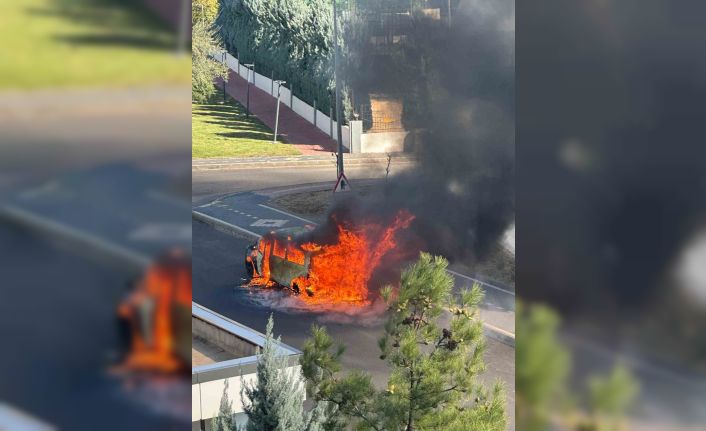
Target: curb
{"points": [[72, 237], [289, 162], [498, 334]]}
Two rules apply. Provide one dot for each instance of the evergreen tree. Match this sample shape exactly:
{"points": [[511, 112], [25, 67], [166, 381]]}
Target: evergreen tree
{"points": [[433, 368], [225, 420], [542, 368], [610, 397], [544, 364], [290, 38], [276, 401], [204, 69]]}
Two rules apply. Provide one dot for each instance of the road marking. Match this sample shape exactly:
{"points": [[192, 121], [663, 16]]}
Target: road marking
{"points": [[212, 220], [483, 283], [286, 213], [269, 223], [56, 228]]}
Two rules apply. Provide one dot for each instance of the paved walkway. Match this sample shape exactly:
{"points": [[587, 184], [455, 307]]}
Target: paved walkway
{"points": [[295, 130]]}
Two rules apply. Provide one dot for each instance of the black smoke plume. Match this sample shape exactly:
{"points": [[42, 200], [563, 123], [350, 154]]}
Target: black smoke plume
{"points": [[457, 82]]}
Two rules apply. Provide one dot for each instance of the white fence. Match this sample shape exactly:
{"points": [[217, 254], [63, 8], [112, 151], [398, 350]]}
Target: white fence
{"points": [[303, 109], [307, 112]]}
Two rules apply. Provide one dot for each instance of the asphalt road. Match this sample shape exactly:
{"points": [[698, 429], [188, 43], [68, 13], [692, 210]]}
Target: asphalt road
{"points": [[59, 337], [208, 185], [218, 274], [70, 246]]}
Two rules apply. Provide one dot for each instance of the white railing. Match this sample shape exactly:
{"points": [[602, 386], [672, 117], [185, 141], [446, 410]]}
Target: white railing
{"points": [[301, 108]]}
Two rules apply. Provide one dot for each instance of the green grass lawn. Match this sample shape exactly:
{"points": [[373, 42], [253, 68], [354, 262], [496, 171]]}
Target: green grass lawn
{"points": [[219, 130], [70, 43]]}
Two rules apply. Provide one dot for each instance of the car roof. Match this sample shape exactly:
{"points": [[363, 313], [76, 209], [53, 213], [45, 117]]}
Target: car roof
{"points": [[292, 231]]}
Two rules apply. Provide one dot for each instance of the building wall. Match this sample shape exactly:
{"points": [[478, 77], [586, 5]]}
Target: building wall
{"points": [[385, 142]]}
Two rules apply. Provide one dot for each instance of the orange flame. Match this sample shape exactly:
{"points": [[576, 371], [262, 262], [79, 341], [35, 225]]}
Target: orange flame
{"points": [[338, 272], [162, 288]]}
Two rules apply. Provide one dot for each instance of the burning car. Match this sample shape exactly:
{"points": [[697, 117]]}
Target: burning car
{"points": [[154, 319], [275, 259], [335, 270]]}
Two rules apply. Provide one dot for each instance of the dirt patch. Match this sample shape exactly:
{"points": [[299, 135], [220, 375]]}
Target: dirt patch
{"points": [[312, 205]]}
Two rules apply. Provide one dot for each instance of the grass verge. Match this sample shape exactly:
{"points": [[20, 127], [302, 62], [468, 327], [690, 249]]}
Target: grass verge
{"points": [[90, 43], [222, 130]]}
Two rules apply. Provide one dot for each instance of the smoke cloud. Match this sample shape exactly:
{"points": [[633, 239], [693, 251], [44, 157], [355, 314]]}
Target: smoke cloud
{"points": [[459, 85]]}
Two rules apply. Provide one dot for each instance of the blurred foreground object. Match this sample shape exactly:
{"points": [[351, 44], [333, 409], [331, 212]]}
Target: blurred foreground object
{"points": [[156, 318], [12, 419], [612, 196], [544, 400]]}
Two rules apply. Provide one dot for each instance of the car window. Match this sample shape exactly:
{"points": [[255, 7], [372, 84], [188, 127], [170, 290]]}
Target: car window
{"points": [[295, 254], [279, 249]]}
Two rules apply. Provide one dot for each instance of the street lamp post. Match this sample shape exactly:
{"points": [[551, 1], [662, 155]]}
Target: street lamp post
{"points": [[279, 86], [247, 97], [339, 133]]}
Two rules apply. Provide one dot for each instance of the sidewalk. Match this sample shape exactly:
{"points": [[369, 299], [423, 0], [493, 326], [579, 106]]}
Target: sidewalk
{"points": [[295, 130]]}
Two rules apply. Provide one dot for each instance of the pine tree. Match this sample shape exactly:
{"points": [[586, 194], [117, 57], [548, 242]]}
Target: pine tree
{"points": [[276, 401], [225, 420], [544, 365], [433, 368]]}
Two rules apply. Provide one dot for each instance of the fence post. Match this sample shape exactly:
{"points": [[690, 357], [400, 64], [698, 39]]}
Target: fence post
{"points": [[314, 112], [272, 92]]}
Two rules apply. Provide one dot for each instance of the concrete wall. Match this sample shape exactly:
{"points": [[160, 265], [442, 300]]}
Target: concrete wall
{"points": [[382, 142], [303, 110], [207, 381], [206, 397], [225, 340]]}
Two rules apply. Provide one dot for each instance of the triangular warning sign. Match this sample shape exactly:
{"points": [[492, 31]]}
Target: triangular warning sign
{"points": [[342, 184]]}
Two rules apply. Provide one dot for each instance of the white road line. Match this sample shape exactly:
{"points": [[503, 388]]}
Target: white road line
{"points": [[50, 226], [286, 213], [215, 221], [482, 283]]}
